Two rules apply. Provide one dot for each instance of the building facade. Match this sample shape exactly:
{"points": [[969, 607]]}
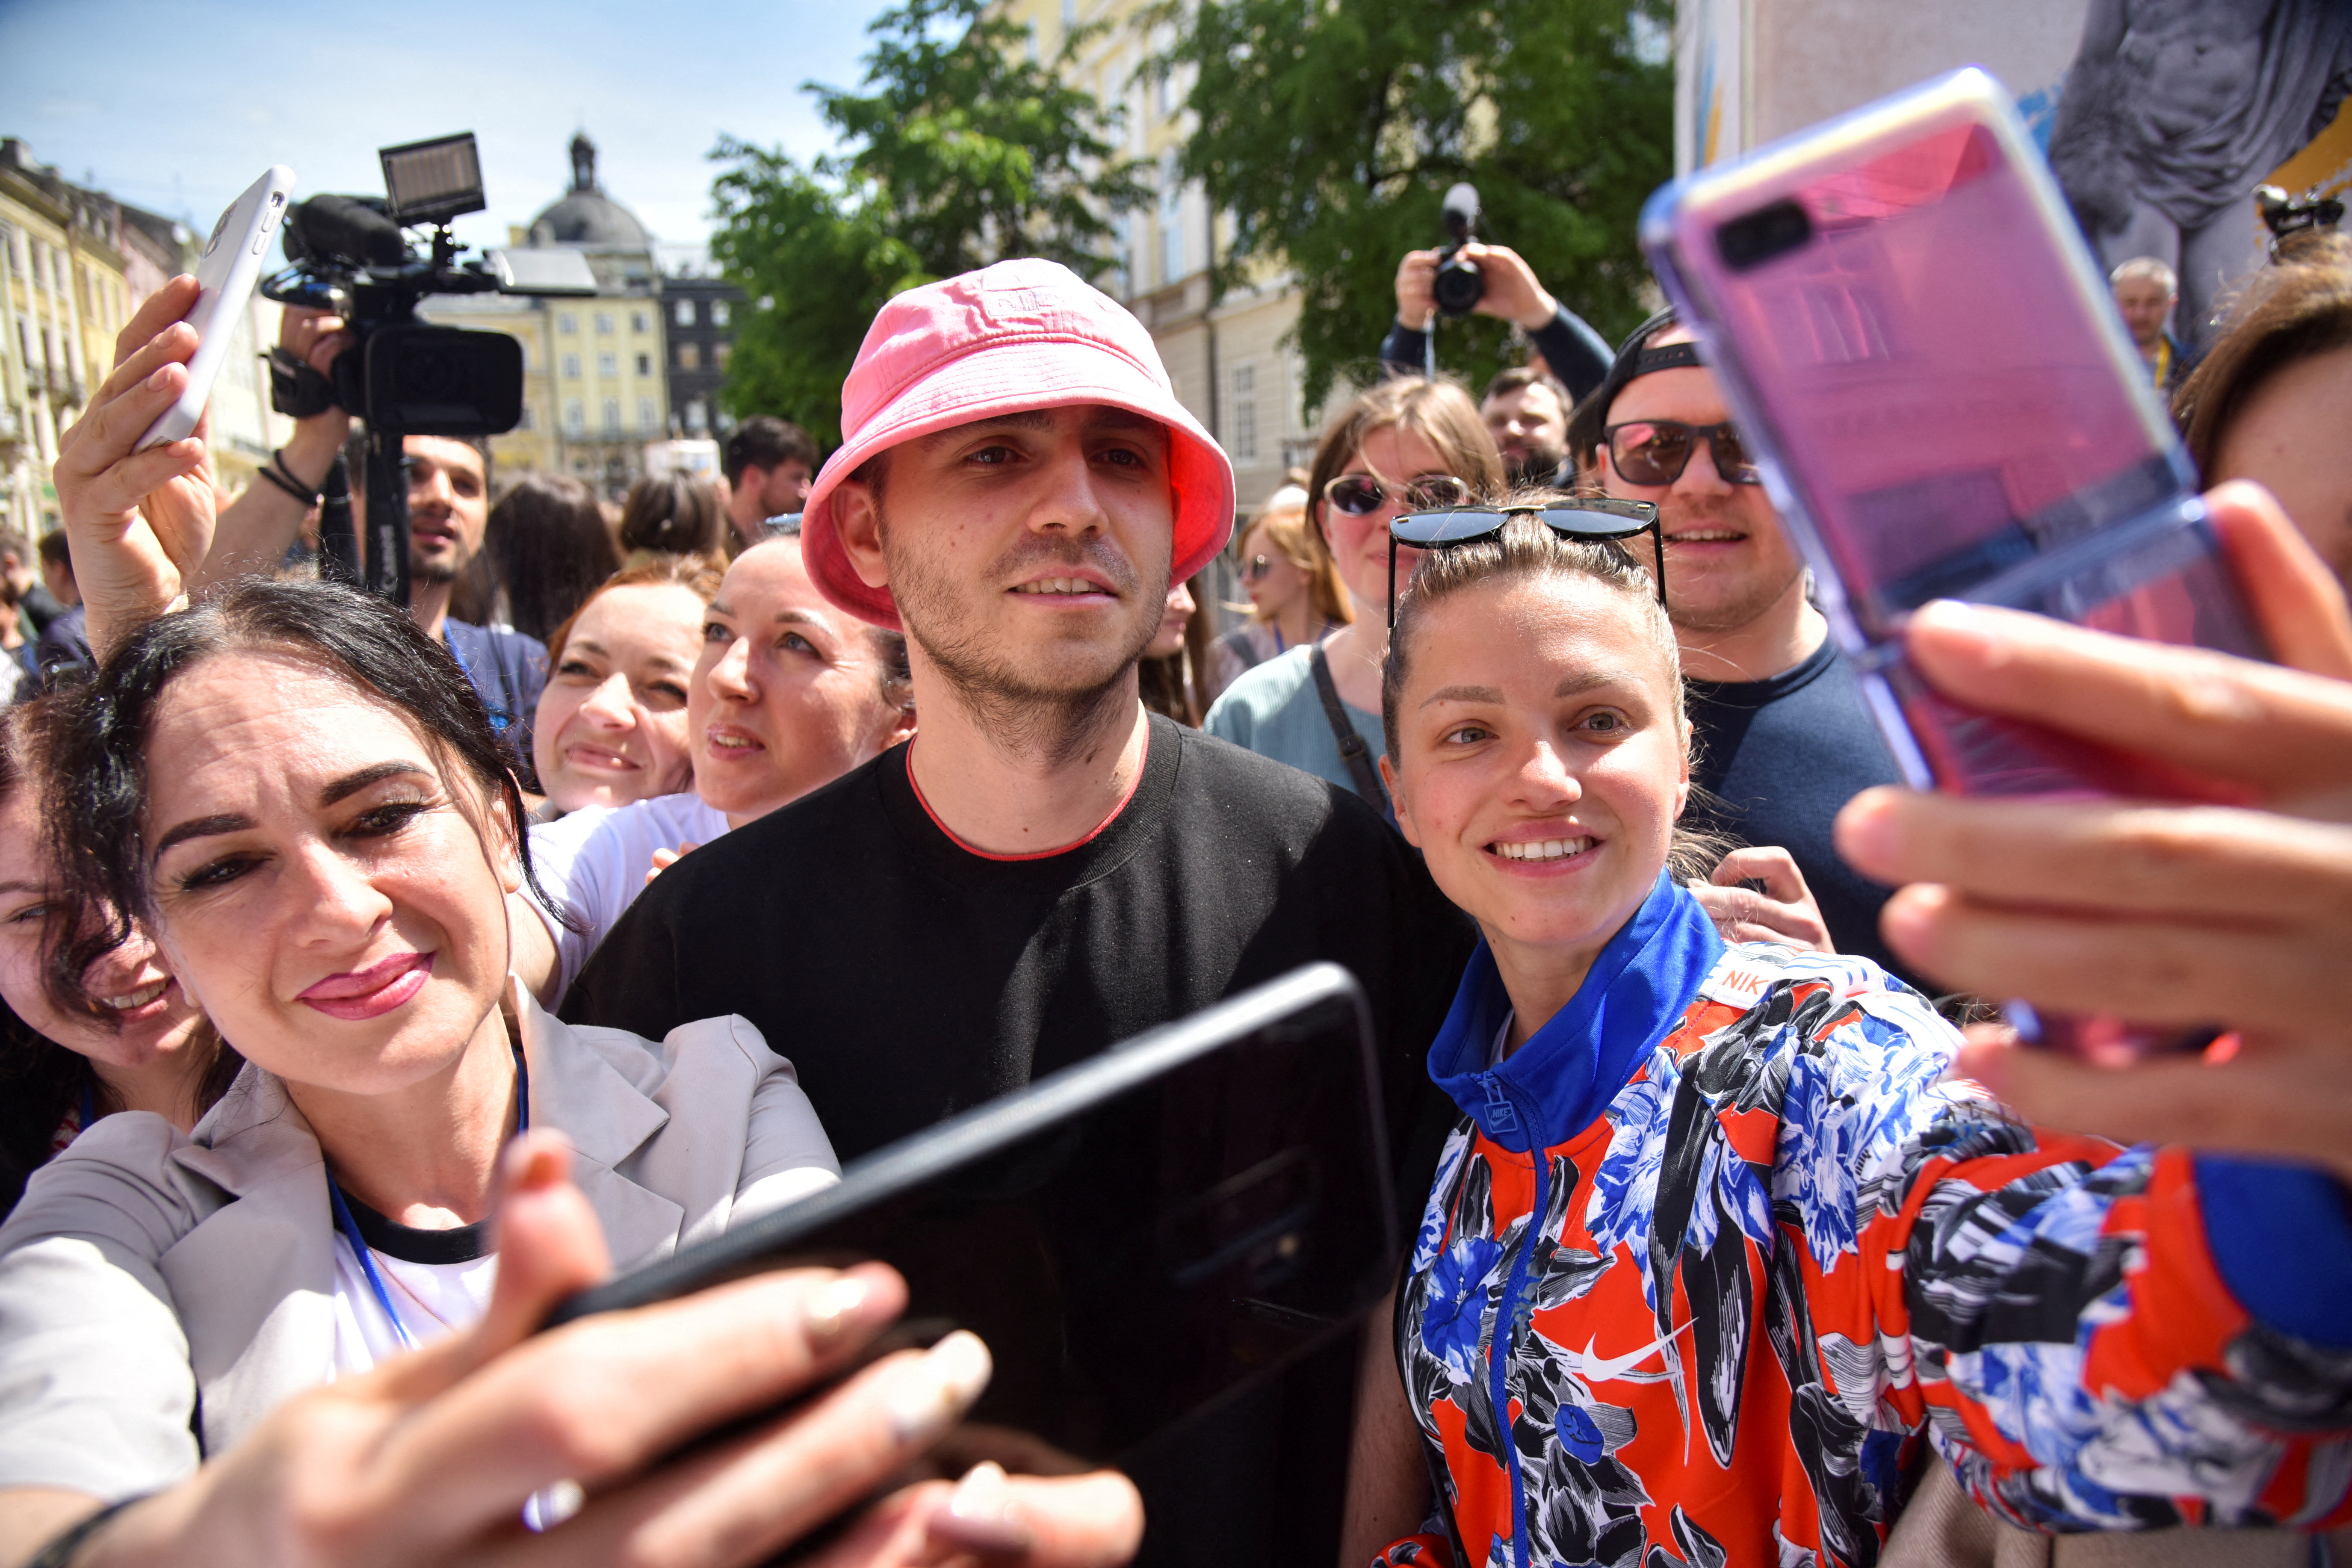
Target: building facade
{"points": [[1230, 357], [63, 297], [595, 388], [698, 322]]}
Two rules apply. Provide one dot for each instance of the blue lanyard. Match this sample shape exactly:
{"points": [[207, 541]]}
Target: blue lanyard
{"points": [[500, 717], [350, 1229]]}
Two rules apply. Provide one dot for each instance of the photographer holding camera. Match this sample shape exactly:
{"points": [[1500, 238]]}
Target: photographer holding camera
{"points": [[448, 508], [1526, 413]]}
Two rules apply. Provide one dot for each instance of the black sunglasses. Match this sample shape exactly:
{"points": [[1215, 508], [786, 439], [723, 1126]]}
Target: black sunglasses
{"points": [[1589, 517], [1657, 451], [1360, 495]]}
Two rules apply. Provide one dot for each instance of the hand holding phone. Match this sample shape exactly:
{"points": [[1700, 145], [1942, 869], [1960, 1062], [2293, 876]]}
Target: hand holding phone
{"points": [[227, 275], [1922, 355]]}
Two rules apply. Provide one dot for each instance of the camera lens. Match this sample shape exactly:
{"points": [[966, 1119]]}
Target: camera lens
{"points": [[1459, 286]]}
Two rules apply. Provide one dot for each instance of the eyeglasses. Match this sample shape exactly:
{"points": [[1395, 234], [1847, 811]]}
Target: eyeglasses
{"points": [[1256, 567], [1360, 495], [1588, 517], [1657, 451]]}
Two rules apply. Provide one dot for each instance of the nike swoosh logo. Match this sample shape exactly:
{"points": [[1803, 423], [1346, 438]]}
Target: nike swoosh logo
{"points": [[1593, 1368]]}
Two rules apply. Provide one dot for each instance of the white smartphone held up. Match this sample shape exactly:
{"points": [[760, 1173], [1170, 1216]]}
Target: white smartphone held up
{"points": [[231, 266]]}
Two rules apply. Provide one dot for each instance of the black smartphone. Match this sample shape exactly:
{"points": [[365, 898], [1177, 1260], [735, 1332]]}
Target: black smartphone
{"points": [[1138, 1237]]}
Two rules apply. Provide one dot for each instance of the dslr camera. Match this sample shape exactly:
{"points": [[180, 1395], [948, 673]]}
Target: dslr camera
{"points": [[1459, 285], [352, 255]]}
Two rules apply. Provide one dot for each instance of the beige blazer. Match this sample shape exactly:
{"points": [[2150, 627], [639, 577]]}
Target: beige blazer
{"points": [[161, 1292]]}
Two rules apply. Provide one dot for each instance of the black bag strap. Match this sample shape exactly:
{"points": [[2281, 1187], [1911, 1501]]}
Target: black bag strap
{"points": [[1352, 750]]}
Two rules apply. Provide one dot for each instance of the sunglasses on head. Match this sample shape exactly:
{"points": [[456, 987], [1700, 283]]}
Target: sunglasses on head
{"points": [[1588, 517], [1360, 495], [1657, 451]]}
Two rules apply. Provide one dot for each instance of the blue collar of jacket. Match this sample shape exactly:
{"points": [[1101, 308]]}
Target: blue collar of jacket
{"points": [[1568, 1071]]}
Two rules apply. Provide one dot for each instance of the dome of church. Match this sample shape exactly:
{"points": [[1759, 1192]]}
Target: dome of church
{"points": [[587, 215]]}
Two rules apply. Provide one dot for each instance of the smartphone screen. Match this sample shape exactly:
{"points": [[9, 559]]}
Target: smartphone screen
{"points": [[1137, 1237], [1919, 348]]}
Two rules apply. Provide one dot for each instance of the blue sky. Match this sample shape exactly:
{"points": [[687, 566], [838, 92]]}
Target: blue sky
{"points": [[178, 107]]}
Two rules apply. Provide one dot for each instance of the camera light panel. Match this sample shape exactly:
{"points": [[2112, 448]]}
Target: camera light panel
{"points": [[433, 182]]}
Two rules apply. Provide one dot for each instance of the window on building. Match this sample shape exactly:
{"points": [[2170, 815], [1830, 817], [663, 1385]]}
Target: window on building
{"points": [[639, 321], [698, 417], [604, 321], [608, 364], [684, 313], [570, 367], [645, 365], [567, 324], [575, 417], [524, 423], [1172, 244], [1069, 14], [648, 417], [611, 417], [720, 354], [719, 312], [690, 356], [1241, 416], [65, 271]]}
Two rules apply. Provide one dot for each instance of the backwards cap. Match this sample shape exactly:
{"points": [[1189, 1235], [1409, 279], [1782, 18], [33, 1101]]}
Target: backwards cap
{"points": [[1016, 336], [1635, 357]]}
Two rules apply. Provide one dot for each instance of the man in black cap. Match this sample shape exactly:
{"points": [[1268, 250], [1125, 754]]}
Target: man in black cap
{"points": [[1781, 737]]}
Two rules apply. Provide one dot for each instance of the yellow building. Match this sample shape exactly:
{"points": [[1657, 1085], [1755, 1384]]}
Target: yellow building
{"points": [[62, 300], [1230, 361]]}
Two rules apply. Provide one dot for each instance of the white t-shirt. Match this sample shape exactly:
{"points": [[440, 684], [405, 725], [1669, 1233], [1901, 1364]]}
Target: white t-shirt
{"points": [[433, 1300], [593, 863]]}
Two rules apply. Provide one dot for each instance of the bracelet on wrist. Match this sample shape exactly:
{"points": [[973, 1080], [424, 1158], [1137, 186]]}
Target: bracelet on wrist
{"points": [[277, 461], [287, 484], [65, 1546]]}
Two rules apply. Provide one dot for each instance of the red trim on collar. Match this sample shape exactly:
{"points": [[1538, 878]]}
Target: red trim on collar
{"points": [[1095, 833]]}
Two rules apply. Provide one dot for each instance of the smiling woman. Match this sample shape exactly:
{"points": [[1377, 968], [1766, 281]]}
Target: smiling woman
{"points": [[303, 800], [612, 720], [64, 1070], [1715, 1234]]}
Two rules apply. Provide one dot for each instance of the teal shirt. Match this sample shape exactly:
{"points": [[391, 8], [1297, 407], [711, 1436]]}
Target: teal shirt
{"points": [[1272, 710]]}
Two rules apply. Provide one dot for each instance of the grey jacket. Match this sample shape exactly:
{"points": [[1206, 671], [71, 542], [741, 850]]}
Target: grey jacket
{"points": [[161, 1292]]}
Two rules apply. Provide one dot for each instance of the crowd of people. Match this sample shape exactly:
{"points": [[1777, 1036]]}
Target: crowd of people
{"points": [[377, 975]]}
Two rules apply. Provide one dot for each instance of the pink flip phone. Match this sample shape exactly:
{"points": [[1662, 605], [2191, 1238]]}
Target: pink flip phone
{"points": [[1923, 358]]}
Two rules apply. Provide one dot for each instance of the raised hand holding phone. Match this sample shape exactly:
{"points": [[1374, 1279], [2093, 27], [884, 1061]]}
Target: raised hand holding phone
{"points": [[226, 278], [138, 520], [1944, 406]]}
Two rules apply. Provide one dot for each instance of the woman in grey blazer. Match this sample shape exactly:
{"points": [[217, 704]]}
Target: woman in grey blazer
{"points": [[300, 799]]}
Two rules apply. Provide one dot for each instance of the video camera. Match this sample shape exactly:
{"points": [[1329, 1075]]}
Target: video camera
{"points": [[1459, 285], [350, 255]]}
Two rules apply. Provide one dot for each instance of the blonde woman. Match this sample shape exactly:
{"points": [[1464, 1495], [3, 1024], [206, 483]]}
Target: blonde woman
{"points": [[1406, 445], [1294, 592]]}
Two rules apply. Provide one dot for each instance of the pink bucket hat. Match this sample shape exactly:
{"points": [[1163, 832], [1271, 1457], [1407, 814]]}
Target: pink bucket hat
{"points": [[1008, 338]]}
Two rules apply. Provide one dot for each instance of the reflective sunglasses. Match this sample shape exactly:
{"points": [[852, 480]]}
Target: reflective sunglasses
{"points": [[1589, 518], [1256, 567], [1657, 451], [1360, 495]]}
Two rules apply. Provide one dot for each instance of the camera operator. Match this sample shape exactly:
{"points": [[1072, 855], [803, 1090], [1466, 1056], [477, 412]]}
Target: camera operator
{"points": [[1573, 352], [448, 510], [1527, 413], [1780, 739]]}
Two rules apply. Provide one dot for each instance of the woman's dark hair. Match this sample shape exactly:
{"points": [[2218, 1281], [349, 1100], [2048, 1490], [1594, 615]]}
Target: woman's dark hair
{"points": [[2285, 314], [676, 514], [1527, 548], [546, 548], [1178, 685], [97, 785], [41, 1080]]}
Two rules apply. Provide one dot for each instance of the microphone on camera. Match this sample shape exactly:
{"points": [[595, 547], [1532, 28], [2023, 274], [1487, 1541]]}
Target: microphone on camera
{"points": [[348, 226]]}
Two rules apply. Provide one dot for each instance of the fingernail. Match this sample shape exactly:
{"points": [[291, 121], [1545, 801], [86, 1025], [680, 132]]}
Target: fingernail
{"points": [[1958, 626], [931, 1393], [157, 381], [1864, 832], [982, 1516], [829, 1310]]}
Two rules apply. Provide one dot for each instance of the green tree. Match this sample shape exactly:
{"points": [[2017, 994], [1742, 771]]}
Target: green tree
{"points": [[1330, 130], [959, 152]]}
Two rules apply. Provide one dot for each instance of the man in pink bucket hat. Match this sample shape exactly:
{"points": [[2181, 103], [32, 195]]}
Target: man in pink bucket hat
{"points": [[1046, 868]]}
